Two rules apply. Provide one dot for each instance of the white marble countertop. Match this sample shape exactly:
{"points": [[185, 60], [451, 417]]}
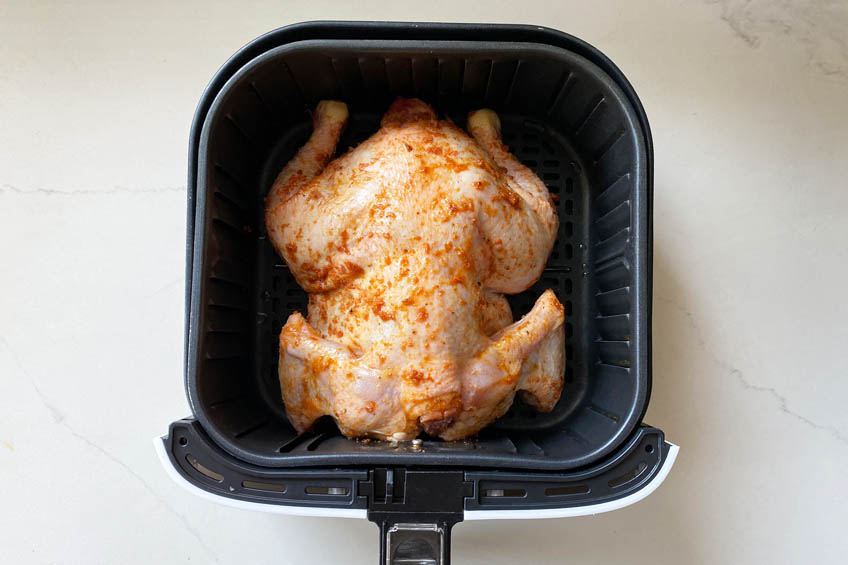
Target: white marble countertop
{"points": [[748, 102]]}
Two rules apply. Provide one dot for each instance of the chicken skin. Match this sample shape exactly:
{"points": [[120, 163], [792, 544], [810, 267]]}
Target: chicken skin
{"points": [[406, 245]]}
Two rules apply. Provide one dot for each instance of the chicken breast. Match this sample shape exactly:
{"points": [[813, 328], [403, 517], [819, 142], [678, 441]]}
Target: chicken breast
{"points": [[406, 245]]}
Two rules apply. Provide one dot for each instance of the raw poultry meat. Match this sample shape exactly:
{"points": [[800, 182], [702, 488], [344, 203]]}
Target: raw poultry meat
{"points": [[406, 245]]}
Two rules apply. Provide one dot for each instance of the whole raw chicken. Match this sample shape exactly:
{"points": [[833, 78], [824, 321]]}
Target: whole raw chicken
{"points": [[406, 245]]}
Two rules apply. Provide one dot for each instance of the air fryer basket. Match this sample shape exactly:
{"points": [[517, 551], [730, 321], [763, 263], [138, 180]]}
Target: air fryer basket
{"points": [[562, 115], [568, 113]]}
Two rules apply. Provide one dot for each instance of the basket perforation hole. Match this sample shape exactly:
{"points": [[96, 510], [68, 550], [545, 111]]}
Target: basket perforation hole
{"points": [[569, 330], [271, 487], [569, 229], [550, 175], [569, 373], [569, 286], [568, 490], [569, 207], [203, 470], [505, 492], [569, 251], [569, 185], [629, 476], [327, 491], [567, 307]]}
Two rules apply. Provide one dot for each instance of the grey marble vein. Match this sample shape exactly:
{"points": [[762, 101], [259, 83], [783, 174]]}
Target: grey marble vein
{"points": [[8, 188], [819, 27], [782, 402], [59, 418]]}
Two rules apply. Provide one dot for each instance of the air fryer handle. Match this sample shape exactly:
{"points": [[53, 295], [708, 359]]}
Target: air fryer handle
{"points": [[415, 542], [415, 510]]}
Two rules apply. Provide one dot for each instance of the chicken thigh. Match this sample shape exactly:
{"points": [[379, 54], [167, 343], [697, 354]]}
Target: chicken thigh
{"points": [[406, 245]]}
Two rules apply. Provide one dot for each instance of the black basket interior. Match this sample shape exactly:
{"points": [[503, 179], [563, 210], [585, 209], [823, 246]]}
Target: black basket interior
{"points": [[561, 115]]}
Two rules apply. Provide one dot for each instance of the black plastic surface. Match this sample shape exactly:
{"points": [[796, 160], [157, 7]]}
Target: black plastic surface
{"points": [[578, 125], [451, 490], [421, 496], [198, 459]]}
